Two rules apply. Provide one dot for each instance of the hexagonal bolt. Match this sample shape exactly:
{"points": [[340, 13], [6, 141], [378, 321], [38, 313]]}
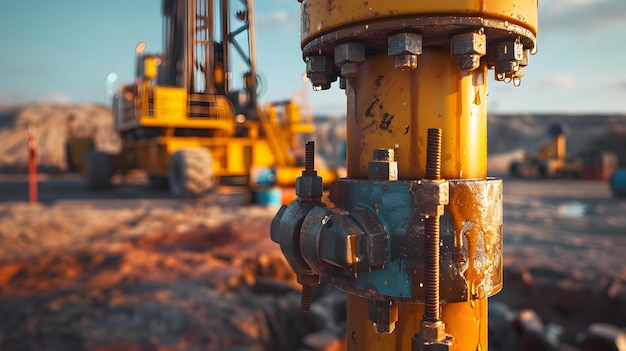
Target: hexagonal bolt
{"points": [[320, 70], [383, 166], [384, 315], [405, 48], [349, 56], [469, 48]]}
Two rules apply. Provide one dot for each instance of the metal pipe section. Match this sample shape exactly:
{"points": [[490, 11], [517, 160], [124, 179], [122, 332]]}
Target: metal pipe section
{"points": [[415, 234]]}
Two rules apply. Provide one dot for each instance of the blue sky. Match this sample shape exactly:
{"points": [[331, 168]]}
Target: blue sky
{"points": [[62, 51]]}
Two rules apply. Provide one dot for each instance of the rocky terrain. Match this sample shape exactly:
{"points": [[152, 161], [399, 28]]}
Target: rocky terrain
{"points": [[135, 269]]}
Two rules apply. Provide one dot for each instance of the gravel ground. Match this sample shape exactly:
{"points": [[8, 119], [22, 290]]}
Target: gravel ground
{"points": [[134, 269]]}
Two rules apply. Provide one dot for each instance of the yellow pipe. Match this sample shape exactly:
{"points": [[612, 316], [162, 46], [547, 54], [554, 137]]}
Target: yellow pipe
{"points": [[389, 108], [320, 17], [466, 321]]}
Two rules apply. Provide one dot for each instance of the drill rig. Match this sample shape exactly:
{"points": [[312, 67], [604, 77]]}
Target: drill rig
{"points": [[184, 122], [414, 236]]}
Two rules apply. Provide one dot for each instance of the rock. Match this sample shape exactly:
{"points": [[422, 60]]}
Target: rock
{"points": [[531, 331], [603, 337]]}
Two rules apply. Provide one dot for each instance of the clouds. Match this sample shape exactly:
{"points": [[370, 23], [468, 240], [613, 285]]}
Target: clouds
{"points": [[558, 82], [278, 19], [582, 15]]}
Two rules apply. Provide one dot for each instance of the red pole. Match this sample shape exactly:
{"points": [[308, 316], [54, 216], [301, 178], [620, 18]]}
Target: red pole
{"points": [[32, 166]]}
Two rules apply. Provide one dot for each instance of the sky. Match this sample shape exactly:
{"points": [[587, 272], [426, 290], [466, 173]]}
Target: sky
{"points": [[62, 51]]}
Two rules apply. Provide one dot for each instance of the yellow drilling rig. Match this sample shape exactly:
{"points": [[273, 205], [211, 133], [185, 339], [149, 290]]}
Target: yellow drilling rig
{"points": [[185, 123], [415, 234]]}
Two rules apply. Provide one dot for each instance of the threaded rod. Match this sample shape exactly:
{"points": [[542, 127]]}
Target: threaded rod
{"points": [[433, 154], [431, 231], [309, 159], [431, 269], [305, 301]]}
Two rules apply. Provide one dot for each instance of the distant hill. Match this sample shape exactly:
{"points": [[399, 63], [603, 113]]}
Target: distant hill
{"points": [[509, 135]]}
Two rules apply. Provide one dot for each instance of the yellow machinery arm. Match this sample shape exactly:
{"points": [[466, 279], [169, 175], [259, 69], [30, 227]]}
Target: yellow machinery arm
{"points": [[415, 237]]}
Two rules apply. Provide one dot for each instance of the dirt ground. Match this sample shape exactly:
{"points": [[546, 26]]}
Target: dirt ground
{"points": [[135, 269]]}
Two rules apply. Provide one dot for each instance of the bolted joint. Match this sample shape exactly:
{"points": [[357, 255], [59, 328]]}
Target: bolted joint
{"points": [[405, 48], [309, 187], [432, 196], [383, 166], [468, 48], [321, 71], [384, 315], [349, 56]]}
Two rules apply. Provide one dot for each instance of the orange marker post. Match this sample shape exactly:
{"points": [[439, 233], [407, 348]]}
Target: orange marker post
{"points": [[32, 165]]}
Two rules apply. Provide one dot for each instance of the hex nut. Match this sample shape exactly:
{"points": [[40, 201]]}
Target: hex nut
{"points": [[404, 48], [349, 69], [386, 155], [405, 62], [506, 67], [468, 62], [432, 195], [349, 53], [309, 186], [434, 192], [384, 315], [468, 44], [509, 51], [320, 70], [382, 170], [308, 279], [318, 64], [432, 331], [404, 44]]}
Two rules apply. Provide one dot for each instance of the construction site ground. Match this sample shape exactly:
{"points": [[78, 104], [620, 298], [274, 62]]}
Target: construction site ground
{"points": [[135, 269]]}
